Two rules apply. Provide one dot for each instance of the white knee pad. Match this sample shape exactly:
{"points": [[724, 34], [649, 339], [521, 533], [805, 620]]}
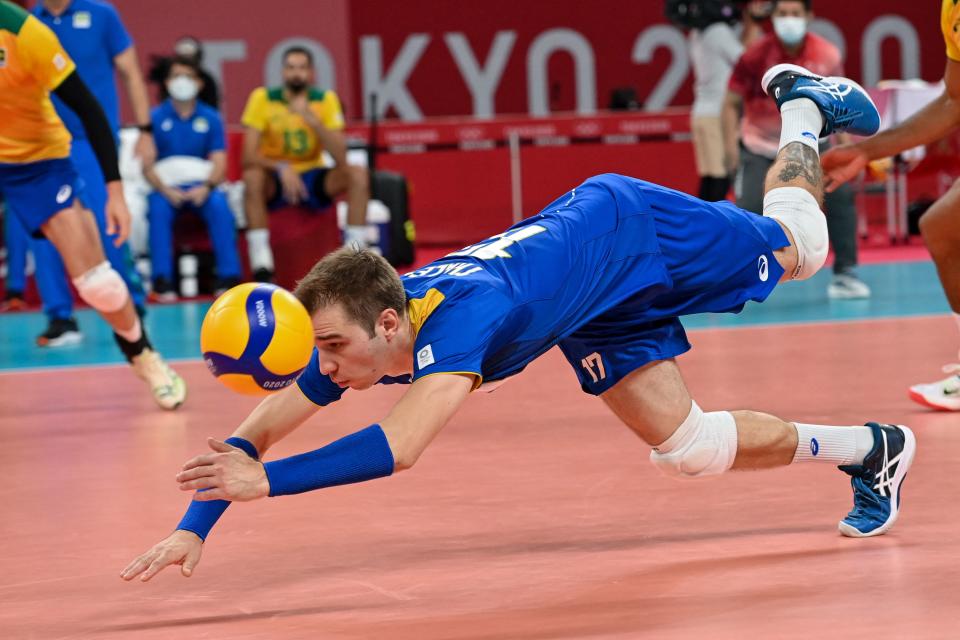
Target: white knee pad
{"points": [[102, 288], [704, 445], [799, 212]]}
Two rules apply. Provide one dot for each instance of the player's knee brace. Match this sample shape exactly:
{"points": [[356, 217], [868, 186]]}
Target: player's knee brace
{"points": [[799, 212], [705, 444], [102, 288]]}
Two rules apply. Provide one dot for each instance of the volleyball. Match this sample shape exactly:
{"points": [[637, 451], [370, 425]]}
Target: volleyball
{"points": [[256, 338]]}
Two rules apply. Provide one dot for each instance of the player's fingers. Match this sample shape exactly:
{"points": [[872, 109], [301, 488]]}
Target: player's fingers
{"points": [[207, 482], [156, 567], [219, 446], [199, 461], [123, 231], [135, 568], [193, 557], [196, 472]]}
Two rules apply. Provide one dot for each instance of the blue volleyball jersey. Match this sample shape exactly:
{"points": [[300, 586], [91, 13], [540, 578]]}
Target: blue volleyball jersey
{"points": [[606, 269]]}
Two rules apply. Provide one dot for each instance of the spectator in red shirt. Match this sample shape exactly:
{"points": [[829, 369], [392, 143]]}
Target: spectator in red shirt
{"points": [[752, 140]]}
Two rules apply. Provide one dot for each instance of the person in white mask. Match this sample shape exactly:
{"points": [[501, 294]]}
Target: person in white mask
{"points": [[752, 133], [191, 162]]}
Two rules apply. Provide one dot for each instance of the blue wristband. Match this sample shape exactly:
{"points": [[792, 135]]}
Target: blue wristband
{"points": [[363, 455], [201, 516]]}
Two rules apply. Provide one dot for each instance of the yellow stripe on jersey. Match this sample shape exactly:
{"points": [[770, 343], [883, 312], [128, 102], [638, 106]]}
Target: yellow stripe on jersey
{"points": [[284, 134], [32, 64], [950, 26], [421, 308]]}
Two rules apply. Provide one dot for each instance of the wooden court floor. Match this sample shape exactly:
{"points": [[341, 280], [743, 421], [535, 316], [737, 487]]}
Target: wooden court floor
{"points": [[534, 514]]}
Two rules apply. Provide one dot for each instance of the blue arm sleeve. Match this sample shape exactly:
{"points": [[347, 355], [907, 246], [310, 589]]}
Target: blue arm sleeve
{"points": [[318, 388], [361, 456], [201, 516]]}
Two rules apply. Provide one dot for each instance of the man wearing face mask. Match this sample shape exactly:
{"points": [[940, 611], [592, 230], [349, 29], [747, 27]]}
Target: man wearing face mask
{"points": [[287, 129], [752, 141], [186, 48], [191, 162]]}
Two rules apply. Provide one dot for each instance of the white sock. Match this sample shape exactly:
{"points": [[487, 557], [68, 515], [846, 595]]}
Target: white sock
{"points": [[800, 122], [836, 445], [258, 248], [356, 235], [134, 333]]}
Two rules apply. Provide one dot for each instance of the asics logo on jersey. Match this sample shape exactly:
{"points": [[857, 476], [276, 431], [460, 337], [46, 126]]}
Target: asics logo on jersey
{"points": [[64, 194], [763, 268]]}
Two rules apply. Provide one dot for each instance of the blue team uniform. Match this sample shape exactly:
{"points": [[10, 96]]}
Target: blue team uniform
{"points": [[197, 136], [92, 34], [604, 272]]}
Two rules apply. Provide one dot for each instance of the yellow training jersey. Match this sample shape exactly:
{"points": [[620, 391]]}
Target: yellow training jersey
{"points": [[32, 64], [950, 25], [285, 135]]}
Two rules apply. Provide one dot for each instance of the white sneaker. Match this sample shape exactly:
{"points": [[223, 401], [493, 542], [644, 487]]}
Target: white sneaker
{"points": [[846, 286], [943, 395], [167, 387]]}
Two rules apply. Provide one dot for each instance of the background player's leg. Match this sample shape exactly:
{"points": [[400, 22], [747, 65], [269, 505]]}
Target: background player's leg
{"points": [[258, 189], [940, 227], [355, 183], [17, 241], [74, 233]]}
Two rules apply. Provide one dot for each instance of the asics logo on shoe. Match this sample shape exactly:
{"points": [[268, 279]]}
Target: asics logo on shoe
{"points": [[833, 90], [884, 479]]}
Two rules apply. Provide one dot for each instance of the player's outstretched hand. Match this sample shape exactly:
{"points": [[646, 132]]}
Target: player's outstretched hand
{"points": [[227, 474], [180, 547], [842, 163]]}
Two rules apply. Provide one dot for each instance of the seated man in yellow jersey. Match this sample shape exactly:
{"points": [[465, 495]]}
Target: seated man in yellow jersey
{"points": [[41, 185], [287, 129]]}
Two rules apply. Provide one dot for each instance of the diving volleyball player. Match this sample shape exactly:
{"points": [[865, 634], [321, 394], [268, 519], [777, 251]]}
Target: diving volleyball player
{"points": [[603, 272]]}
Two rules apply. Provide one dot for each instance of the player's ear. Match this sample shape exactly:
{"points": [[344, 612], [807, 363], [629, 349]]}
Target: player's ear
{"points": [[390, 321]]}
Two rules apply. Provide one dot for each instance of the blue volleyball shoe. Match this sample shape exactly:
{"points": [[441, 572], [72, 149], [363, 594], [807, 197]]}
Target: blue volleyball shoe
{"points": [[877, 482], [844, 104]]}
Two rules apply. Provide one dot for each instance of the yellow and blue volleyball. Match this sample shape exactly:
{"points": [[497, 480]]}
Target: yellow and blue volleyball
{"points": [[256, 338]]}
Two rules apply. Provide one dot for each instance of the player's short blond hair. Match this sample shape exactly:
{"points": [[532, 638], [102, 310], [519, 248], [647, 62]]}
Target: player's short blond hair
{"points": [[361, 281]]}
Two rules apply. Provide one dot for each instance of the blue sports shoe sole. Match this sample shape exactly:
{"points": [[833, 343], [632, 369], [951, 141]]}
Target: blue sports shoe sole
{"points": [[885, 489], [844, 104]]}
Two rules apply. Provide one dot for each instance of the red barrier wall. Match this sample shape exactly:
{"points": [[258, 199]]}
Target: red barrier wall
{"points": [[625, 43]]}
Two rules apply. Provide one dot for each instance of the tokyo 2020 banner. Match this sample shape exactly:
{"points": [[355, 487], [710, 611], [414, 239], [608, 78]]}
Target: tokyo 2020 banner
{"points": [[428, 58]]}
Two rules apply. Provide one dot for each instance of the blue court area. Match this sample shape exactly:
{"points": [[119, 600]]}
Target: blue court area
{"points": [[900, 289]]}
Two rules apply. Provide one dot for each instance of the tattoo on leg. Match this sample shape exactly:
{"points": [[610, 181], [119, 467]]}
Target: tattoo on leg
{"points": [[800, 161]]}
